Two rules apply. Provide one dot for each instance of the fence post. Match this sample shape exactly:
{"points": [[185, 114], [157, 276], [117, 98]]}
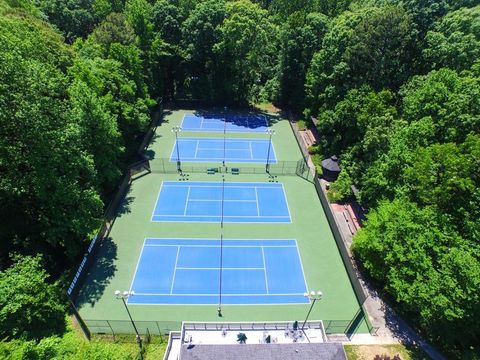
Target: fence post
{"points": [[111, 328], [79, 319]]}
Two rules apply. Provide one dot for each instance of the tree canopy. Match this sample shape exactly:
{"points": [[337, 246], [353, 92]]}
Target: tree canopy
{"points": [[393, 87]]}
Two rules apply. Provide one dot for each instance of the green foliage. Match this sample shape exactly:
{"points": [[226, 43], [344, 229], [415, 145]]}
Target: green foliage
{"points": [[247, 48], [29, 306], [444, 176], [201, 31], [285, 8], [99, 131], [449, 99], [71, 346], [454, 41], [138, 13], [49, 202], [368, 46], [300, 37], [75, 18], [114, 29], [341, 189], [423, 265], [71, 117]]}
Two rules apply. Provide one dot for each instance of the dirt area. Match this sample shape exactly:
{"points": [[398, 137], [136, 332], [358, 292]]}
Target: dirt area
{"points": [[369, 352]]}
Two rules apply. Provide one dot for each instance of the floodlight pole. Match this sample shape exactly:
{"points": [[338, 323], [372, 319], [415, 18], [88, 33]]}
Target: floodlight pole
{"points": [[314, 296], [176, 130], [270, 132], [123, 296]]}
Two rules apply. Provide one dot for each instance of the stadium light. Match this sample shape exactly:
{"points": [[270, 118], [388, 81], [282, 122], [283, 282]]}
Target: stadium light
{"points": [[125, 295], [270, 132], [314, 296], [176, 130]]}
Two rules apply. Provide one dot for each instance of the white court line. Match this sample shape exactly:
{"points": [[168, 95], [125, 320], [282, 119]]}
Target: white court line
{"points": [[225, 246], [175, 269], [154, 294], [228, 216], [243, 140], [251, 151], [156, 202], [174, 147], [196, 150], [286, 202], [186, 202], [229, 149], [229, 159], [136, 267], [230, 222], [183, 120], [254, 185], [223, 268], [274, 154], [256, 199], [195, 239], [208, 200], [265, 270], [201, 124], [301, 266]]}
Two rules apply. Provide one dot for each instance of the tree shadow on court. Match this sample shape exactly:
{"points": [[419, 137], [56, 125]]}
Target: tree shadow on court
{"points": [[100, 273], [233, 116], [124, 207]]}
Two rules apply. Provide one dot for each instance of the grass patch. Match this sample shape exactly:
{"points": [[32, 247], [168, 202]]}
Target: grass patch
{"points": [[73, 345], [267, 107], [317, 161], [368, 352], [302, 124]]}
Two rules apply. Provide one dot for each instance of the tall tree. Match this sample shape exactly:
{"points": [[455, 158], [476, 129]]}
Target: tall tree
{"points": [[454, 41], [73, 18], [449, 99], [201, 31], [47, 187], [300, 36], [30, 307], [370, 45], [247, 49]]}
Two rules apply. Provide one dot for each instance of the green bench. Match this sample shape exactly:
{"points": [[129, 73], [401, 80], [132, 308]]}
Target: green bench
{"points": [[211, 171], [235, 171]]}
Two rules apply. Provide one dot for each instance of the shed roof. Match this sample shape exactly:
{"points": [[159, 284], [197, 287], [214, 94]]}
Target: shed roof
{"points": [[313, 351], [331, 164]]}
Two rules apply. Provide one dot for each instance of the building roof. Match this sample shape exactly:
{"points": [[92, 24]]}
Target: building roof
{"points": [[331, 164], [313, 351]]}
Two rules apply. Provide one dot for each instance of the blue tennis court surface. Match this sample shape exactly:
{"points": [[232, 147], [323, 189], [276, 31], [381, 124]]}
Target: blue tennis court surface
{"points": [[229, 122], [187, 271], [232, 150], [202, 202]]}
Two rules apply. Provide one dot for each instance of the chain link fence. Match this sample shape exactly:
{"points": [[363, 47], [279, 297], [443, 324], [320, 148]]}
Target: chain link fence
{"points": [[287, 168]]}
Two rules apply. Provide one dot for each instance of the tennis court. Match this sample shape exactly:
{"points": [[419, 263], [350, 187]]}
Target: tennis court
{"points": [[224, 122], [187, 271], [231, 150], [216, 201]]}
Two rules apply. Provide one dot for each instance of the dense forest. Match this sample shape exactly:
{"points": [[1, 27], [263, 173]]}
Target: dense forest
{"points": [[394, 86]]}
